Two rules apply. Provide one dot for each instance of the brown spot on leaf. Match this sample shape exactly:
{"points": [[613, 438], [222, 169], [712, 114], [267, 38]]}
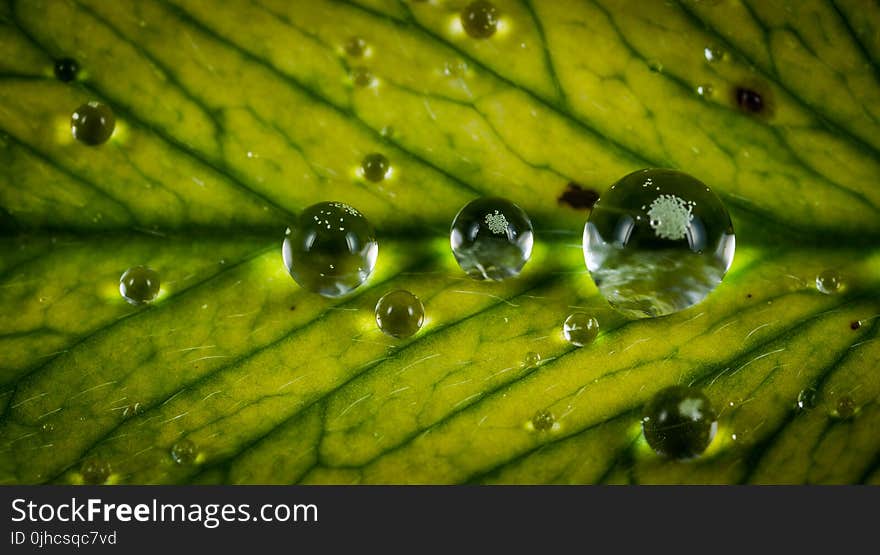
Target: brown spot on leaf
{"points": [[753, 97], [578, 197], [855, 324]]}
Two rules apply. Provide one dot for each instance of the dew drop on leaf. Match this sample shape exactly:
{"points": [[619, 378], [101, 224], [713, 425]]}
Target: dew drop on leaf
{"points": [[531, 360], [66, 69], [580, 329], [491, 238], [95, 471], [184, 452], [713, 54], [657, 242], [845, 408], [92, 123], [679, 422], [480, 19], [331, 249], [543, 420], [139, 285], [361, 77], [375, 167], [355, 47], [806, 398], [829, 282], [400, 313]]}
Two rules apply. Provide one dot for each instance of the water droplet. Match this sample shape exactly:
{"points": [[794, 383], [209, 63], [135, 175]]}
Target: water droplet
{"points": [[543, 420], [355, 47], [713, 54], [480, 19], [829, 282], [754, 98], [807, 398], [679, 422], [855, 324], [139, 285], [705, 90], [491, 238], [92, 123], [457, 68], [95, 471], [580, 329], [184, 452], [66, 69], [47, 427], [531, 360], [400, 313], [655, 66], [387, 131], [375, 167], [331, 249], [662, 258], [361, 77], [846, 407]]}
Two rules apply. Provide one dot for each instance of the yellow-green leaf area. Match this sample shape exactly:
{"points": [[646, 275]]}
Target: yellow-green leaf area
{"points": [[232, 117]]}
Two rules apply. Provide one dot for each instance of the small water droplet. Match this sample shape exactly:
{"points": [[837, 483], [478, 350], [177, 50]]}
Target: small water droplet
{"points": [[95, 471], [531, 360], [361, 77], [655, 66], [92, 123], [184, 452], [491, 238], [806, 399], [543, 420], [846, 407], [66, 69], [580, 329], [375, 167], [139, 285], [400, 314], [355, 47], [705, 90], [855, 324], [679, 422], [829, 282], [713, 54], [480, 19], [47, 427]]}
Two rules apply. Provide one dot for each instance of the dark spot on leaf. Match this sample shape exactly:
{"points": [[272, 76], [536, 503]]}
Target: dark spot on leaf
{"points": [[578, 197], [855, 324], [753, 98], [293, 307], [749, 296]]}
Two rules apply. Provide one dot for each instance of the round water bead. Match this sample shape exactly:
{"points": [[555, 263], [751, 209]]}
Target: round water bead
{"points": [[400, 313], [95, 471], [92, 123], [184, 452], [355, 47], [139, 285], [679, 422], [491, 238], [331, 249], [580, 329], [532, 359], [361, 77], [658, 241], [375, 167], [543, 420], [845, 408], [66, 69], [828, 282], [480, 19], [807, 398]]}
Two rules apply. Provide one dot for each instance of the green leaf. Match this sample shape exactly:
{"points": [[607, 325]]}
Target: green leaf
{"points": [[234, 116]]}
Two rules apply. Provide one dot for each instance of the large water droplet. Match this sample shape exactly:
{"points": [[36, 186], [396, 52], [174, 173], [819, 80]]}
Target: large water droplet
{"points": [[480, 19], [400, 313], [139, 285], [331, 249], [375, 167], [829, 282], [92, 123], [66, 69], [679, 422], [184, 452], [543, 420], [95, 471], [580, 329], [491, 238], [658, 241]]}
